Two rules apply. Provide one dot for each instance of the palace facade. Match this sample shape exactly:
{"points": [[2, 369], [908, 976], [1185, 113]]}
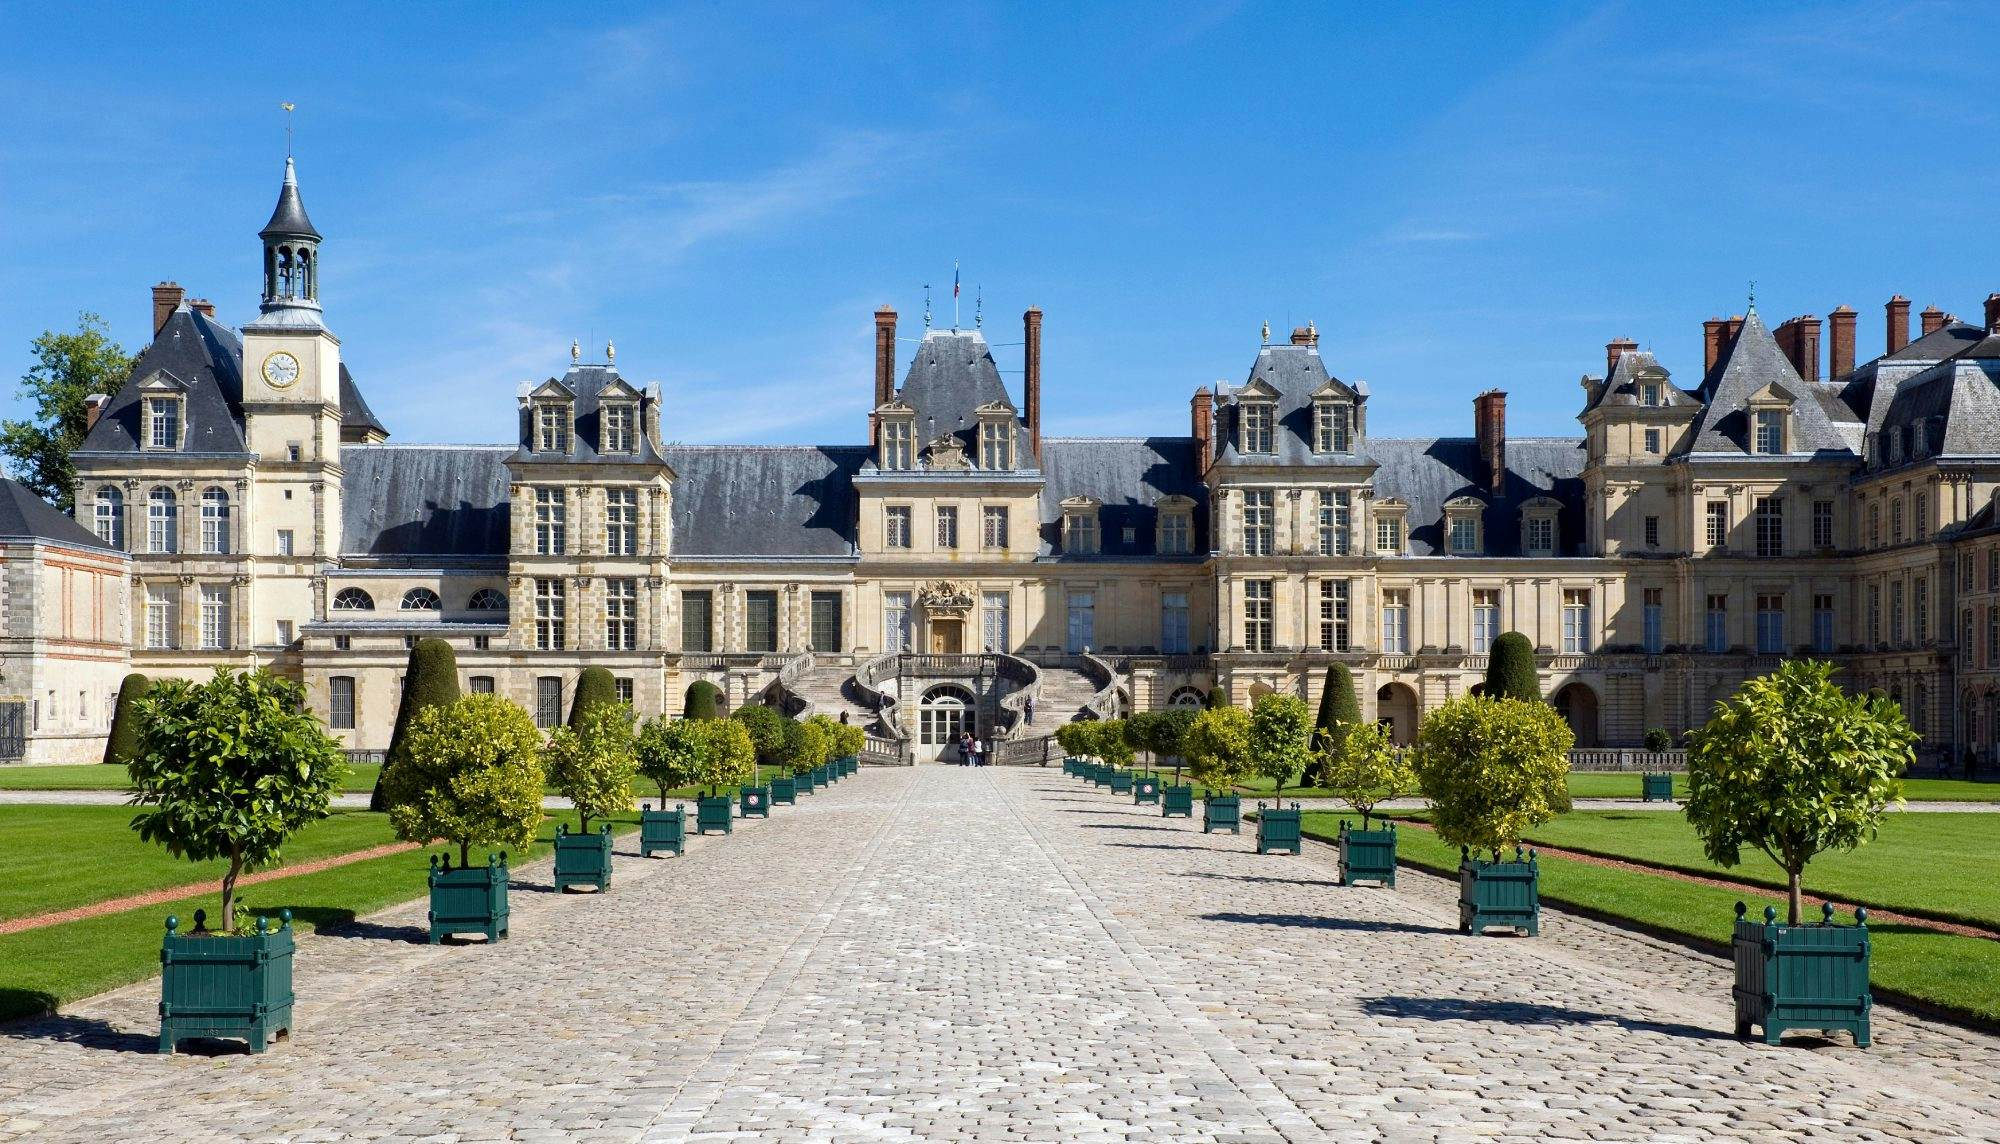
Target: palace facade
{"points": [[953, 566]]}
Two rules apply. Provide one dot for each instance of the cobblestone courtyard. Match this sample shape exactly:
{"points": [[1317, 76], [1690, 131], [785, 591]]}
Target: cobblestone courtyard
{"points": [[954, 954]]}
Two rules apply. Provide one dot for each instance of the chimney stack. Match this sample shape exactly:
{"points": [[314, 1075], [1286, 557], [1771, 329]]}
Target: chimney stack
{"points": [[1897, 310], [885, 368], [1615, 349], [1840, 347], [93, 408], [1993, 313], [166, 299], [203, 306], [1933, 320], [1798, 338], [1031, 379], [1201, 416], [1304, 336], [1489, 420], [1711, 343]]}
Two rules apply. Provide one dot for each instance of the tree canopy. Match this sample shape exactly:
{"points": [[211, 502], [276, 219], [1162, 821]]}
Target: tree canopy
{"points": [[430, 679], [670, 752], [1217, 746], [1363, 767], [727, 757], [69, 367], [1161, 733], [593, 761], [1338, 710], [1510, 669], [1280, 738], [767, 733], [473, 776], [1493, 769], [804, 746]]}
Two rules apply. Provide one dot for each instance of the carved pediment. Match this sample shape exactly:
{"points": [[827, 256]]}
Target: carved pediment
{"points": [[553, 390], [947, 452], [160, 381], [1257, 390], [946, 598]]}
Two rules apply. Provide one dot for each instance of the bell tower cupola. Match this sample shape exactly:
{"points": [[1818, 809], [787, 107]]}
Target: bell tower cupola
{"points": [[291, 252]]}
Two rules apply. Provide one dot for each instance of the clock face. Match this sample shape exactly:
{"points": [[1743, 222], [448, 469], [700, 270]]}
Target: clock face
{"points": [[281, 369]]}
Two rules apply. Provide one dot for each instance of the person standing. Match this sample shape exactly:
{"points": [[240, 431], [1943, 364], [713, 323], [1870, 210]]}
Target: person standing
{"points": [[1028, 709], [978, 753]]}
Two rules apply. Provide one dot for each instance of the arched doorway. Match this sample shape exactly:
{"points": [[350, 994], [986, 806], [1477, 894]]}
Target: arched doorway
{"points": [[1396, 708], [1577, 704], [944, 712]]}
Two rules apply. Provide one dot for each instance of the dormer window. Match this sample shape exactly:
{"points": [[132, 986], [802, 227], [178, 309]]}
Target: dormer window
{"points": [[898, 441], [163, 422], [1463, 526], [1770, 431], [1390, 515], [1080, 531], [551, 428], [1649, 393], [1176, 526], [616, 424], [1258, 431], [996, 443], [1333, 426]]}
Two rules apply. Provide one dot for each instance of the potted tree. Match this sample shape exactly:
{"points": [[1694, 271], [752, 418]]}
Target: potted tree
{"points": [[1079, 741], [1280, 747], [804, 748], [229, 769], [669, 753], [592, 762], [727, 758], [1363, 768], [1218, 752], [123, 741], [473, 777], [833, 743], [848, 741], [1657, 786], [767, 742], [1493, 769], [1138, 731], [430, 679], [1165, 735], [1793, 767]]}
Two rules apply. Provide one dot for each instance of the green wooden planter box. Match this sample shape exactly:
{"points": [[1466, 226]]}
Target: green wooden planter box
{"points": [[1278, 828], [1093, 773], [1499, 893], [785, 791], [754, 800], [470, 899], [583, 859], [1218, 811], [1808, 976], [803, 781], [1121, 782], [1656, 788], [820, 777], [1177, 800], [217, 986], [663, 830], [1146, 789], [1367, 855], [713, 814], [1070, 767]]}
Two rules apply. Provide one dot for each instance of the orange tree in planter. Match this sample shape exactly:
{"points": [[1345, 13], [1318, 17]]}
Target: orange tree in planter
{"points": [[473, 777]]}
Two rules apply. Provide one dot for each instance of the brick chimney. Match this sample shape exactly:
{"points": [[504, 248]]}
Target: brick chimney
{"points": [[1031, 379], [1993, 313], [1711, 343], [166, 299], [1933, 320], [93, 408], [885, 356], [1304, 336], [1615, 349], [203, 306], [1897, 310], [1489, 427], [1840, 343], [1201, 418], [1799, 339]]}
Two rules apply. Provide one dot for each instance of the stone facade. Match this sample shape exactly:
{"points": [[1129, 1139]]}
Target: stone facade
{"points": [[64, 638]]}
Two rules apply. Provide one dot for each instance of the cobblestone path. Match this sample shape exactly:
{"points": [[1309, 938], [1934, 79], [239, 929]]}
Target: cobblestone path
{"points": [[952, 954]]}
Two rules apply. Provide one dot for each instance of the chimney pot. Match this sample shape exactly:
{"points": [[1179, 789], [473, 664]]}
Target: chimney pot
{"points": [[1840, 342], [1615, 349], [1933, 319], [1897, 312], [1993, 313], [93, 408], [1031, 379], [204, 307], [1798, 339], [166, 299], [1489, 421], [1711, 343], [1301, 336]]}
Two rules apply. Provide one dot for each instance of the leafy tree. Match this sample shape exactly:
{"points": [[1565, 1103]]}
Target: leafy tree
{"points": [[1218, 697], [1280, 738], [728, 757], [1493, 769], [1217, 747], [123, 742], [473, 776], [1078, 739], [1658, 741], [1510, 669], [701, 701], [1160, 734], [230, 769], [833, 737], [1363, 768], [429, 680], [848, 740], [1794, 767], [1338, 709], [68, 368], [767, 734], [804, 746], [592, 762], [594, 686], [670, 752], [1108, 738]]}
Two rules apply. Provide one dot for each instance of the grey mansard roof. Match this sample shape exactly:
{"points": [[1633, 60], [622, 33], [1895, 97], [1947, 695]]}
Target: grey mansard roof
{"points": [[951, 375], [1128, 476], [764, 500], [424, 500], [585, 385], [1296, 372], [354, 411], [205, 356], [1821, 421], [1635, 368], [25, 516], [1427, 472]]}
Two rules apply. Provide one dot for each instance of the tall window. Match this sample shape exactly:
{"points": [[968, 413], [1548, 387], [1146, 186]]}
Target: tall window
{"points": [[1258, 522], [1334, 615], [162, 521], [1652, 532], [1176, 533], [110, 516], [1992, 637], [623, 688], [1654, 636], [1769, 517], [1257, 615], [1464, 534], [1874, 614], [162, 618], [947, 526], [1541, 536], [214, 520], [993, 622], [1333, 426], [287, 546], [1081, 537], [896, 526], [826, 621], [1822, 524], [1396, 622], [898, 448], [340, 702], [617, 428], [1718, 524], [552, 429], [1770, 431], [551, 522], [621, 522], [1920, 524], [1389, 535], [760, 621], [621, 614], [1896, 521], [1336, 518], [549, 613], [1965, 571], [163, 423], [1718, 623], [1993, 569], [548, 701], [1822, 623], [996, 445], [897, 634], [697, 621], [1653, 440], [1259, 417], [1770, 625], [1485, 619], [214, 616], [1896, 628], [993, 527], [1576, 621], [1082, 631], [1649, 394], [1174, 623], [1920, 607]]}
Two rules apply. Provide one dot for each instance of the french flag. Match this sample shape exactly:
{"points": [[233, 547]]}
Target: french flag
{"points": [[954, 280]]}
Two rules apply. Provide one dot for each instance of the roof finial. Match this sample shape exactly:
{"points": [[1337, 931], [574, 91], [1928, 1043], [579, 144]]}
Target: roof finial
{"points": [[610, 351], [1267, 331], [927, 305], [575, 351], [1753, 295], [978, 305], [287, 105]]}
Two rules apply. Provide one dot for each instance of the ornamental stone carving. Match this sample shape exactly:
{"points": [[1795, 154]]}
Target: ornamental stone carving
{"points": [[946, 598]]}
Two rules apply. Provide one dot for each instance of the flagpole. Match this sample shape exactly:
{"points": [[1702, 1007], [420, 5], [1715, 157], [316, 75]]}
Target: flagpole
{"points": [[954, 293]]}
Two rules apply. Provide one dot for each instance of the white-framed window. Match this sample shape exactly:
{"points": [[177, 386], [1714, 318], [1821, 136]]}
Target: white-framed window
{"points": [[621, 522], [286, 633], [487, 600], [163, 422], [615, 425], [898, 630], [1336, 520], [1174, 623], [621, 614], [698, 621], [1259, 522], [1649, 394], [1260, 419], [898, 442], [1652, 532], [1718, 524], [353, 600], [552, 428], [1464, 534], [421, 599], [1875, 525], [1485, 619], [1082, 627], [1770, 624], [109, 516], [896, 526], [1176, 533], [993, 617], [162, 617], [947, 526], [1653, 437], [340, 702], [1080, 532], [1333, 423], [622, 686], [993, 527], [1389, 535], [1896, 521], [1717, 629], [1822, 623], [1541, 536], [163, 519], [286, 543], [550, 613], [551, 522], [1335, 615], [1257, 622], [1768, 516], [1920, 517], [1653, 638], [1396, 622], [215, 616], [996, 444], [1576, 621], [1770, 431]]}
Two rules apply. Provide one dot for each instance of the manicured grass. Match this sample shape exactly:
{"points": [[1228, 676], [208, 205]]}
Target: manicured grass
{"points": [[1955, 973], [97, 776], [1602, 785], [45, 968]]}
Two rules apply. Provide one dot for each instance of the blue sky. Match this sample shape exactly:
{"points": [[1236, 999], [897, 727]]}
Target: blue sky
{"points": [[1460, 197]]}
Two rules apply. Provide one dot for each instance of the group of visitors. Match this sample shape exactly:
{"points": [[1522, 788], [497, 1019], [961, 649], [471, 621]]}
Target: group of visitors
{"points": [[971, 752]]}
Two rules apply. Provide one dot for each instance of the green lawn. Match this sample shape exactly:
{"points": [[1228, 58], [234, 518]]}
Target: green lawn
{"points": [[44, 968], [1956, 973], [1595, 784], [97, 776]]}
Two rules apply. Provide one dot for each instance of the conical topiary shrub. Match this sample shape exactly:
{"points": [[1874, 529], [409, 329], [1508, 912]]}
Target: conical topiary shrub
{"points": [[701, 700], [123, 741], [1510, 669], [1338, 709], [594, 686], [1218, 698], [429, 680]]}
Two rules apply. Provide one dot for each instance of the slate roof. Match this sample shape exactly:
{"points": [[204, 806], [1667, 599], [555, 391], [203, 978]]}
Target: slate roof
{"points": [[424, 500], [25, 515], [288, 218], [1128, 476], [1636, 367], [765, 500], [1426, 472], [586, 385], [1821, 422], [1944, 342], [205, 356], [1296, 372], [354, 411], [951, 375]]}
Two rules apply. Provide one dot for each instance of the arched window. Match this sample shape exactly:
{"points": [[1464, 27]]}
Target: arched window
{"points": [[214, 520], [162, 521], [1188, 697], [353, 600], [487, 600], [110, 516], [420, 600]]}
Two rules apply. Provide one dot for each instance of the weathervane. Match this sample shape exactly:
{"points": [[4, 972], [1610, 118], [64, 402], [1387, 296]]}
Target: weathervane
{"points": [[978, 306], [288, 128], [1753, 293], [927, 305]]}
